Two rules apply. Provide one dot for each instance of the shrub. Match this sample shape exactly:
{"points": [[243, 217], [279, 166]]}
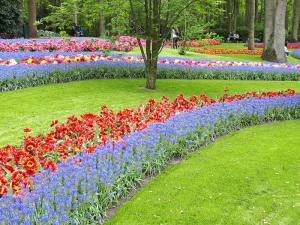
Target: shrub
{"points": [[10, 17]]}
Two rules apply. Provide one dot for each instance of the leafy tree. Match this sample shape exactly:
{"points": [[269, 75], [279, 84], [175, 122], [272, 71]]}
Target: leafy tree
{"points": [[63, 16], [10, 17], [153, 20]]}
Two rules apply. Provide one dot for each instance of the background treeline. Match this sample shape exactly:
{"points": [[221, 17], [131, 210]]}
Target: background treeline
{"points": [[207, 18]]}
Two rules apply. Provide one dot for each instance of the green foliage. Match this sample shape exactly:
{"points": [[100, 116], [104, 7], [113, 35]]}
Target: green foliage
{"points": [[116, 72], [62, 17], [259, 32], [10, 18], [182, 50], [196, 21], [47, 34]]}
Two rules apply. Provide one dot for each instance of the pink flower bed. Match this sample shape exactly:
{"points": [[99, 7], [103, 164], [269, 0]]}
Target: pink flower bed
{"points": [[123, 43]]}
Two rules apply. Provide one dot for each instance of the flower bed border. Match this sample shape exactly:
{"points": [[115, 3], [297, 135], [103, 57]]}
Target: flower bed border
{"points": [[107, 71]]}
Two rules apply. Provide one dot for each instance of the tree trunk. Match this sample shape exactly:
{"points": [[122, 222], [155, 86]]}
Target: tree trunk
{"points": [[261, 11], [256, 11], [286, 24], [101, 22], [247, 13], [153, 41], [229, 15], [75, 13], [251, 24], [274, 37], [32, 19], [101, 25], [151, 74], [235, 15], [296, 18]]}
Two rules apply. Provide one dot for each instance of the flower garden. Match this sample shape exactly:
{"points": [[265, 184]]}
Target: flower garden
{"points": [[96, 158], [86, 163], [179, 112], [32, 63]]}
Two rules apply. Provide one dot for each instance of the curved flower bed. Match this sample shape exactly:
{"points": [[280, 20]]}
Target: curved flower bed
{"points": [[296, 54], [123, 43], [290, 45], [86, 184], [199, 43], [67, 59], [18, 163], [11, 67], [228, 51]]}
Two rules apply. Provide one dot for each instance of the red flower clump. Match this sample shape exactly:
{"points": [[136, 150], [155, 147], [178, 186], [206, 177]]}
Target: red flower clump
{"points": [[199, 43], [85, 133], [228, 51], [27, 130]]}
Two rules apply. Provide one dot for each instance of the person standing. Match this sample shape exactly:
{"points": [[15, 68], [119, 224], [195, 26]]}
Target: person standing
{"points": [[174, 38], [286, 50]]}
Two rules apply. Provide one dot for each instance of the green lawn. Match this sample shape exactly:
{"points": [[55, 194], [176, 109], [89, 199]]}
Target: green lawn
{"points": [[256, 182], [37, 107], [241, 57]]}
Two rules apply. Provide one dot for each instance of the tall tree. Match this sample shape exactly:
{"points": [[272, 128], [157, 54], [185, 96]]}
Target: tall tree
{"points": [[32, 19], [251, 23], [274, 35], [153, 20], [296, 18]]}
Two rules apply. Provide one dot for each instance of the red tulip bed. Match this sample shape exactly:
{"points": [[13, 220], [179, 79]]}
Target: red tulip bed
{"points": [[290, 45], [84, 133], [199, 43]]}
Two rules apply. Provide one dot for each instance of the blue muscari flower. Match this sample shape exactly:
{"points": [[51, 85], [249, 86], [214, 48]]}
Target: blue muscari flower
{"points": [[296, 53], [21, 70]]}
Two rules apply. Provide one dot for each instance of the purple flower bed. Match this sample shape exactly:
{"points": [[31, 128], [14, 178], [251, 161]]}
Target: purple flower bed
{"points": [[84, 186], [22, 70], [296, 53]]}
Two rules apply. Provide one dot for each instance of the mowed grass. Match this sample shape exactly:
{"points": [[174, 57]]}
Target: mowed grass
{"points": [[230, 57], [37, 107], [250, 177]]}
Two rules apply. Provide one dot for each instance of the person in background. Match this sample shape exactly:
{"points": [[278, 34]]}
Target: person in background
{"points": [[174, 38], [230, 37], [77, 31], [236, 37], [286, 49]]}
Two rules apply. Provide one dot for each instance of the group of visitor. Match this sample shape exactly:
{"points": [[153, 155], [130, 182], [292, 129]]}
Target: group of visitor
{"points": [[234, 37], [77, 30]]}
